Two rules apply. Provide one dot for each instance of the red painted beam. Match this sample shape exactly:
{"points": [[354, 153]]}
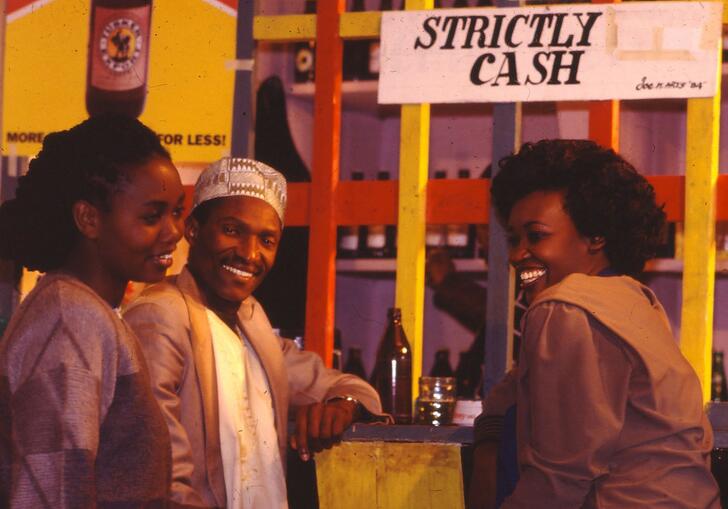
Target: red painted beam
{"points": [[321, 290]]}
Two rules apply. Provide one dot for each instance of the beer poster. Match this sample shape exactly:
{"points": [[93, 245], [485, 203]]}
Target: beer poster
{"points": [[636, 50], [168, 62]]}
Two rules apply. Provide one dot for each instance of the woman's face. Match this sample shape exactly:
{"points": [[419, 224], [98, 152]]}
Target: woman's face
{"points": [[141, 230], [545, 245]]}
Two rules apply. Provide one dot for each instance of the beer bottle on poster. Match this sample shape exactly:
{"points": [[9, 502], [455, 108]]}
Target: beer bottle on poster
{"points": [[392, 376], [354, 364], [718, 389], [351, 236], [305, 53], [118, 56]]}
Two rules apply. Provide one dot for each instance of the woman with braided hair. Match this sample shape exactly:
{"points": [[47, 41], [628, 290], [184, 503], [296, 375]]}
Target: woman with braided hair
{"points": [[100, 205]]}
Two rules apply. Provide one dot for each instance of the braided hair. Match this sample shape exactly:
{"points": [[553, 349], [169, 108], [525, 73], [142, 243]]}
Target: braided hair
{"points": [[86, 162]]}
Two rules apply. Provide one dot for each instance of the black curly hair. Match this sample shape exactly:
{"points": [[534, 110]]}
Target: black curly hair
{"points": [[86, 162], [604, 195]]}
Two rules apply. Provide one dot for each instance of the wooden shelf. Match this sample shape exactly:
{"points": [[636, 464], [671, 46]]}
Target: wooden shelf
{"points": [[357, 95], [374, 265], [389, 265]]}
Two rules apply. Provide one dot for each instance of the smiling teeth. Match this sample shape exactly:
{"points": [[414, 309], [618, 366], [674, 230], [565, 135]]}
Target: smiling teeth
{"points": [[237, 272], [530, 276], [165, 257]]}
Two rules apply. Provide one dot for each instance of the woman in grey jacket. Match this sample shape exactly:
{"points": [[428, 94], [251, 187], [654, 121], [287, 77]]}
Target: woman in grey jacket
{"points": [[79, 427]]}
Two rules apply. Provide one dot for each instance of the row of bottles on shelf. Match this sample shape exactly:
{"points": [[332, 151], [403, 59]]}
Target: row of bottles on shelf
{"points": [[392, 377], [361, 56], [380, 241]]}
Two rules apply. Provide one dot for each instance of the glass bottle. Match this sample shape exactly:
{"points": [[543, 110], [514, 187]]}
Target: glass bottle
{"points": [[118, 56], [283, 291], [441, 366], [354, 364], [436, 402], [356, 52], [435, 233], [392, 376], [351, 236], [305, 53], [374, 46], [460, 238], [336, 354], [718, 390], [381, 239]]}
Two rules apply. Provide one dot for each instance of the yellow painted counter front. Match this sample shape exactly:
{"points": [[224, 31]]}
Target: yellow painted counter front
{"points": [[384, 474]]}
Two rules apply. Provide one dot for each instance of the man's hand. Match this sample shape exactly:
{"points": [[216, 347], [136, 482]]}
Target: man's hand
{"points": [[320, 425]]}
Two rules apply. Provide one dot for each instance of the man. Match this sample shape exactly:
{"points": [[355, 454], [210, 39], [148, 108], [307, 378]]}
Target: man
{"points": [[224, 380]]}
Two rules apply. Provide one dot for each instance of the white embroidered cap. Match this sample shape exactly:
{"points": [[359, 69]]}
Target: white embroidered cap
{"points": [[236, 176]]}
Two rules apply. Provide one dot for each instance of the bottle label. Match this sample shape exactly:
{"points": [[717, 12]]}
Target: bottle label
{"points": [[457, 239], [434, 237], [349, 242], [374, 58], [375, 239], [119, 47]]}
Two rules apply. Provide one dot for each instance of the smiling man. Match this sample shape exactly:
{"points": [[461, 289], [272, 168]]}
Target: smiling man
{"points": [[224, 380]]}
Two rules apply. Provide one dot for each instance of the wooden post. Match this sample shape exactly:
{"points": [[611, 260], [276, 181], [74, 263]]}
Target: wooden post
{"points": [[701, 177], [413, 163], [321, 291]]}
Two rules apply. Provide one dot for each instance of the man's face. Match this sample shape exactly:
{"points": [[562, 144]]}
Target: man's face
{"points": [[234, 249]]}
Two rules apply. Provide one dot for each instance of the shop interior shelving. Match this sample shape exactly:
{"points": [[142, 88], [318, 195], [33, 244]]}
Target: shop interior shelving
{"points": [[411, 202]]}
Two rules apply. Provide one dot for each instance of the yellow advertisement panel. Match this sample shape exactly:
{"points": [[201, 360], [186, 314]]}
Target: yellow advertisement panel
{"points": [[168, 61]]}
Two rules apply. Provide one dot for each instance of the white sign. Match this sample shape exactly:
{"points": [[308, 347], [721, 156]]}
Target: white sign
{"points": [[635, 50]]}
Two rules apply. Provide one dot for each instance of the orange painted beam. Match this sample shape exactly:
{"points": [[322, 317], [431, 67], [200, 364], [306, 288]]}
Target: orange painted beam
{"points": [[321, 290], [604, 123], [368, 202], [456, 201], [604, 115]]}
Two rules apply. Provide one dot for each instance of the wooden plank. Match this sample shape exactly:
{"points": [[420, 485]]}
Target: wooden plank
{"points": [[360, 25], [414, 148], [388, 475], [501, 281], [321, 288], [456, 201], [285, 28], [367, 202], [410, 281], [696, 325], [604, 123]]}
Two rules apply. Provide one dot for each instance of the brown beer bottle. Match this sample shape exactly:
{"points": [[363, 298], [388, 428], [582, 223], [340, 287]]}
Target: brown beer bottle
{"points": [[392, 376], [118, 56]]}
